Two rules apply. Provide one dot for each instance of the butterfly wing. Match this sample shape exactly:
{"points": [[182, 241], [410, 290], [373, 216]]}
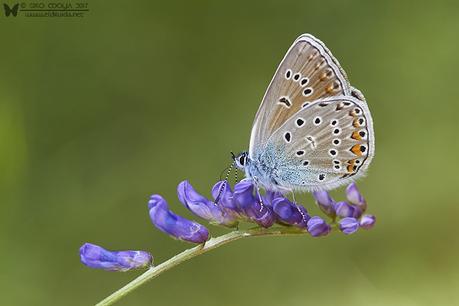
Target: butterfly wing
{"points": [[324, 145], [307, 73]]}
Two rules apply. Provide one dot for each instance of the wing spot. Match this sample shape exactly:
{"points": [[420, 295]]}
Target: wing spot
{"points": [[317, 120], [305, 104], [288, 74], [299, 152], [336, 162], [340, 106], [288, 137], [333, 152], [333, 122], [285, 101], [327, 74], [305, 162], [358, 122], [358, 149], [311, 141], [337, 167], [307, 92], [337, 131], [321, 177], [299, 122], [296, 77], [336, 141], [304, 81]]}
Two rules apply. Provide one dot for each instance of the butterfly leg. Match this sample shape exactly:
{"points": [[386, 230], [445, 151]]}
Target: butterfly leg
{"points": [[257, 187], [297, 206]]}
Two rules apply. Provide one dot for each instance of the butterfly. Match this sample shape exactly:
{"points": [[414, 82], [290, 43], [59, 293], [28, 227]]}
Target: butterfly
{"points": [[313, 130]]}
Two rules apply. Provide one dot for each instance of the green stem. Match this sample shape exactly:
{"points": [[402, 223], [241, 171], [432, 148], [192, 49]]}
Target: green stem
{"points": [[211, 244]]}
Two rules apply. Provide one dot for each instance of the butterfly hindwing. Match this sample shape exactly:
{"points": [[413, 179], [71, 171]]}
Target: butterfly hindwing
{"points": [[307, 73], [325, 144]]}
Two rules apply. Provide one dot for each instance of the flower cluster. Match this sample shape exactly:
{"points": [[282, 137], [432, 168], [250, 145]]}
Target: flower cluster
{"points": [[230, 207]]}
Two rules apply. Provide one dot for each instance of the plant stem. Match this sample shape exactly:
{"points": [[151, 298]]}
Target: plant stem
{"points": [[195, 251]]}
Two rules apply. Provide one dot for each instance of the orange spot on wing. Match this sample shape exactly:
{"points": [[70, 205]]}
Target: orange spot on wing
{"points": [[356, 135], [356, 150], [356, 123]]}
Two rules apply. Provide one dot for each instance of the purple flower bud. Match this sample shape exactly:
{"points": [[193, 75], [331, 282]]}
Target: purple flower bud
{"points": [[263, 215], [325, 202], [222, 191], [355, 197], [318, 227], [348, 225], [367, 221], [243, 193], [290, 213], [270, 196], [344, 209], [174, 225], [97, 257], [202, 207]]}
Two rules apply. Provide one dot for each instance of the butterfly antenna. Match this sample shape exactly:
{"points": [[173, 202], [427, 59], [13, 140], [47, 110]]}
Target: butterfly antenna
{"points": [[235, 176], [225, 181]]}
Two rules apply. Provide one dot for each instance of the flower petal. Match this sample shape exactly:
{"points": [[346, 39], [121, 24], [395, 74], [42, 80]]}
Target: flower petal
{"points": [[325, 202], [318, 227], [355, 197], [344, 209], [367, 221], [97, 257], [290, 213], [348, 225], [174, 225]]}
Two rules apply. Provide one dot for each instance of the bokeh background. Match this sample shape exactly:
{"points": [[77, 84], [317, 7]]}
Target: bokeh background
{"points": [[97, 113]]}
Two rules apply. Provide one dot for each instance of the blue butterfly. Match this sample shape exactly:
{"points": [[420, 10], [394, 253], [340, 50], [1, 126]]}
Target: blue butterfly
{"points": [[313, 130]]}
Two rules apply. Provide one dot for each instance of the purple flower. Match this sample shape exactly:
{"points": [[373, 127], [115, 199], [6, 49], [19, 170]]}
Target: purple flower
{"points": [[290, 213], [174, 225], [318, 227], [250, 206], [367, 221], [97, 257], [243, 194], [223, 195], [270, 196], [325, 202], [348, 225], [344, 209], [262, 214], [204, 208], [355, 197]]}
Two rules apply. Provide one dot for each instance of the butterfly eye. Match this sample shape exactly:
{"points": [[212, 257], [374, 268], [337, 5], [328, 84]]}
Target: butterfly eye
{"points": [[242, 160]]}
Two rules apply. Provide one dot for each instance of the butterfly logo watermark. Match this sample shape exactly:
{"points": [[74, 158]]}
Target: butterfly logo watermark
{"points": [[46, 9], [11, 10]]}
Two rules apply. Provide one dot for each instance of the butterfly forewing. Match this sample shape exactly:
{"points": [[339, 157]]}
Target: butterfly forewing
{"points": [[307, 73], [326, 143]]}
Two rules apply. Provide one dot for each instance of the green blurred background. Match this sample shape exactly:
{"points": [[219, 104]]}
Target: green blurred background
{"points": [[97, 113]]}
